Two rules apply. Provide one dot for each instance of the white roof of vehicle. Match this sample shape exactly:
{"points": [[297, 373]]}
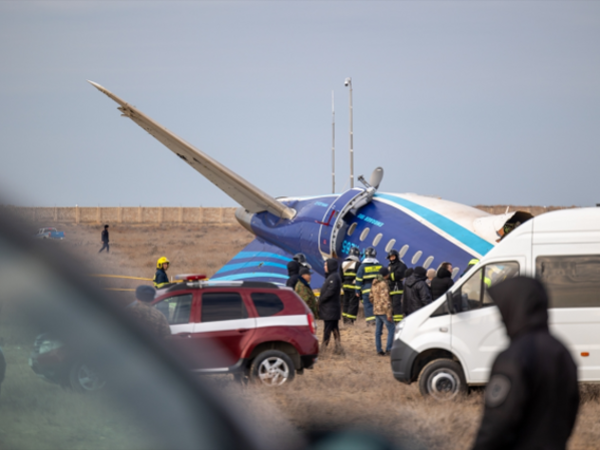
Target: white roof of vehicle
{"points": [[579, 219]]}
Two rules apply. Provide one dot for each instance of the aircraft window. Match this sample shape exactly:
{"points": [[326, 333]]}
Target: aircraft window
{"points": [[416, 257], [377, 239], [454, 271], [390, 245], [428, 262], [403, 251], [572, 281], [364, 234], [352, 228]]}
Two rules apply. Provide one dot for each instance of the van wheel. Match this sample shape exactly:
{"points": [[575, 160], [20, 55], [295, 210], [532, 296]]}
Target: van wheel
{"points": [[272, 368], [442, 379], [83, 378]]}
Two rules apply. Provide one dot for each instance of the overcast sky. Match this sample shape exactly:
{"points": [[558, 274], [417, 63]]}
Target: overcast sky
{"points": [[476, 102]]}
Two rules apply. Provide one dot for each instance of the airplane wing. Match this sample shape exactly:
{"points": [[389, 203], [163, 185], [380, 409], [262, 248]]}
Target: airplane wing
{"points": [[260, 261], [243, 192]]}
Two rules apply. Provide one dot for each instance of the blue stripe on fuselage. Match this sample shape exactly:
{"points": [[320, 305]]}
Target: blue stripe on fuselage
{"points": [[261, 255], [455, 230], [252, 264]]}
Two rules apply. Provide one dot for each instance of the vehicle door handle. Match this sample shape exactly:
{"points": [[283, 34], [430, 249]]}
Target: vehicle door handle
{"points": [[242, 330], [184, 335], [443, 329]]}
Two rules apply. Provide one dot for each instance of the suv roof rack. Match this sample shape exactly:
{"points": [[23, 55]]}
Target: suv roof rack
{"points": [[207, 283]]}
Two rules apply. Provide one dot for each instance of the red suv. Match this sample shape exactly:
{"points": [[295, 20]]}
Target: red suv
{"points": [[250, 329]]}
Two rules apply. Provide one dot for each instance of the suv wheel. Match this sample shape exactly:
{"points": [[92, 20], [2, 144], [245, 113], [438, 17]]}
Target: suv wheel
{"points": [[82, 378], [272, 368], [442, 379]]}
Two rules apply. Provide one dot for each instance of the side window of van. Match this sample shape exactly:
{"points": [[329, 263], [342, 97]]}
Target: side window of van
{"points": [[571, 281], [473, 293]]}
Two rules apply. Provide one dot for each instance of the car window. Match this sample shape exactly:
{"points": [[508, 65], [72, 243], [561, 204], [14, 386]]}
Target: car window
{"points": [[218, 306], [266, 304], [177, 309], [571, 281], [473, 294]]}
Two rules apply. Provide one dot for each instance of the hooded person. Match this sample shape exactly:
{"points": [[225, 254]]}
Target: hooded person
{"points": [[416, 291], [305, 292], [151, 318], [330, 308], [442, 282], [293, 268], [532, 398]]}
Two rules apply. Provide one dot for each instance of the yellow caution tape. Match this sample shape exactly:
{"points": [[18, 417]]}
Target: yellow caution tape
{"points": [[98, 275]]}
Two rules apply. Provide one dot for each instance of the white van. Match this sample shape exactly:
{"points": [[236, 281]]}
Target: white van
{"points": [[451, 343]]}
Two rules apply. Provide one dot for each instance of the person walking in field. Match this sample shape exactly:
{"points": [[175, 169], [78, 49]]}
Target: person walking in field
{"points": [[151, 318], [160, 277], [104, 237], [330, 306], [382, 308], [305, 292]]}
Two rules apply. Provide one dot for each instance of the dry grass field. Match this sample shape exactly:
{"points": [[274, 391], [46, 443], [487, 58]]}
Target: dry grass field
{"points": [[352, 391]]}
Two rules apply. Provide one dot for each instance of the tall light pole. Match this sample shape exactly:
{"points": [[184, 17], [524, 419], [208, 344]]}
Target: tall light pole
{"points": [[348, 82], [332, 144]]}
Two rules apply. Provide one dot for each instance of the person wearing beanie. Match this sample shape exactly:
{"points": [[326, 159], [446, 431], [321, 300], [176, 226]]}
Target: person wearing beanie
{"points": [[382, 309], [144, 313], [416, 291], [305, 292], [293, 268]]}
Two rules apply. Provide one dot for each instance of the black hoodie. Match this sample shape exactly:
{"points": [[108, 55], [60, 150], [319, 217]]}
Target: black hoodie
{"points": [[293, 268], [416, 292], [330, 307], [441, 283], [532, 397]]}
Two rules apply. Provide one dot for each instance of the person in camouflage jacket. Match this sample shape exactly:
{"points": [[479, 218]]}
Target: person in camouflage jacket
{"points": [[382, 309], [145, 314], [305, 292]]}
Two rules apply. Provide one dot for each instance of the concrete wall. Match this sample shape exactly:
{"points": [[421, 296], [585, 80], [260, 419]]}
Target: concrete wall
{"points": [[124, 214]]}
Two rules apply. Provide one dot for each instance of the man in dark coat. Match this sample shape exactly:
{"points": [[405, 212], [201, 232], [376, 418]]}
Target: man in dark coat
{"points": [[104, 237], [532, 397], [330, 309], [416, 291], [442, 282], [293, 268], [397, 270]]}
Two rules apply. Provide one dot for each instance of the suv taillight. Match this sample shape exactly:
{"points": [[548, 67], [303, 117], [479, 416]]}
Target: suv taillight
{"points": [[311, 323]]}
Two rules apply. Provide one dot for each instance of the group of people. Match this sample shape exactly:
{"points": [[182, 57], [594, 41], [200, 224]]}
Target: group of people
{"points": [[388, 293]]}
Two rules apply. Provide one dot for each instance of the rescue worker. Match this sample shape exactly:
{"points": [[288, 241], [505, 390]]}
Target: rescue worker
{"points": [[416, 292], [350, 301], [305, 292], [104, 238], [397, 269], [160, 277], [369, 268], [382, 308], [532, 398], [149, 317], [330, 309], [442, 282], [471, 263]]}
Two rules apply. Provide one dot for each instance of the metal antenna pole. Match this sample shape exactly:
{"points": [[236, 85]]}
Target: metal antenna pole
{"points": [[349, 83], [332, 144]]}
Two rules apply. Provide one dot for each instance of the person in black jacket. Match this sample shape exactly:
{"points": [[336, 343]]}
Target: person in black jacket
{"points": [[442, 282], [293, 268], [532, 397], [104, 237], [330, 309], [416, 291], [397, 268]]}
